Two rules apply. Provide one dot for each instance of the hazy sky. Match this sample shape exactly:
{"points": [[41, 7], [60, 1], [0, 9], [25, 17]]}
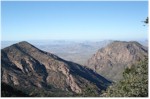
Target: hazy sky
{"points": [[74, 20]]}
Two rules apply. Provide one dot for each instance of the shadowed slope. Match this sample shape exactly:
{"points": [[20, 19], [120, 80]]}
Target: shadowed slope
{"points": [[26, 66]]}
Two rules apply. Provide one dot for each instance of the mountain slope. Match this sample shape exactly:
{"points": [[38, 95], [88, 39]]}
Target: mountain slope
{"points": [[8, 91], [111, 60], [26, 66]]}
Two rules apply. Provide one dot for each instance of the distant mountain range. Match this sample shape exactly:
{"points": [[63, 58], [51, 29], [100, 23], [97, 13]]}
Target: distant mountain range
{"points": [[26, 67]]}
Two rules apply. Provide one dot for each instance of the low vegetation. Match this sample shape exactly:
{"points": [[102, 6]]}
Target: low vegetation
{"points": [[133, 84]]}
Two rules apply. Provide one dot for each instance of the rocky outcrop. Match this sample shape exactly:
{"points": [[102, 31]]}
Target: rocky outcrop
{"points": [[111, 60], [26, 66], [69, 79]]}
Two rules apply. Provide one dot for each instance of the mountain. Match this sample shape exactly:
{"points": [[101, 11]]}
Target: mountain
{"points": [[75, 51], [72, 50], [111, 60], [32, 71]]}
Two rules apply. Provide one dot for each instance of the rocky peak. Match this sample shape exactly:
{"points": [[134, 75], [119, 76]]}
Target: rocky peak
{"points": [[27, 66], [111, 60]]}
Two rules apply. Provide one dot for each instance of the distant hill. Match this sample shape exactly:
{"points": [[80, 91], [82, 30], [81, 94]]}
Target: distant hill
{"points": [[144, 42], [39, 73], [78, 52], [111, 60]]}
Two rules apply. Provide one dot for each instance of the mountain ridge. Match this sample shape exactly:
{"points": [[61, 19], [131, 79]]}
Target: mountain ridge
{"points": [[26, 66]]}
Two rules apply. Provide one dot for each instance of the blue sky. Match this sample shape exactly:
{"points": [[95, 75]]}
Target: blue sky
{"points": [[74, 20]]}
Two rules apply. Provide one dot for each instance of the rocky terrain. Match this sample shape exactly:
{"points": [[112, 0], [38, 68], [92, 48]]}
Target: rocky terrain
{"points": [[75, 51], [111, 60], [27, 68]]}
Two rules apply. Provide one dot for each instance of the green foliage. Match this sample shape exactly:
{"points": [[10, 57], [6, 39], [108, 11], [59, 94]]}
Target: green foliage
{"points": [[53, 92], [133, 84], [88, 92]]}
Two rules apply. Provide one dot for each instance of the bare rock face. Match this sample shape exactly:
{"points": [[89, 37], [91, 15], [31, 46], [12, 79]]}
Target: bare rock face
{"points": [[111, 60], [26, 66]]}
